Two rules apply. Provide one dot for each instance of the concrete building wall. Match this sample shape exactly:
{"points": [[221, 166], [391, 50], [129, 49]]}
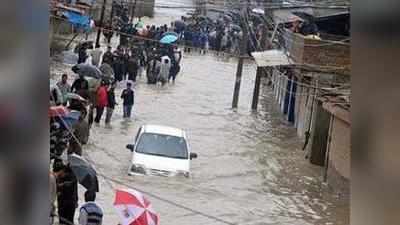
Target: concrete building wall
{"points": [[60, 27], [340, 147], [319, 134], [145, 8], [339, 158], [305, 104]]}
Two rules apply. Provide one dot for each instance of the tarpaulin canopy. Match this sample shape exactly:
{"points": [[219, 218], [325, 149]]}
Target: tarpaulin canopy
{"points": [[77, 20], [271, 58]]}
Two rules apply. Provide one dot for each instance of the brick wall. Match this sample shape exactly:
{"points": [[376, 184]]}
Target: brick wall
{"points": [[317, 52], [294, 44], [326, 54]]}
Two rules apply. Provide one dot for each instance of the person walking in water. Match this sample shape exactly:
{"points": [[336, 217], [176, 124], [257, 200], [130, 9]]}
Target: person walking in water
{"points": [[90, 213], [101, 101], [165, 69], [111, 103], [96, 56], [132, 67], [128, 95], [65, 88], [67, 193], [108, 57]]}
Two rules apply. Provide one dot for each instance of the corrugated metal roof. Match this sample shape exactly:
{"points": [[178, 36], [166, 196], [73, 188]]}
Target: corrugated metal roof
{"points": [[285, 15], [271, 58], [339, 106]]}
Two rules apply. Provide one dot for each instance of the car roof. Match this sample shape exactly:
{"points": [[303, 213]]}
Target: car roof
{"points": [[165, 130]]}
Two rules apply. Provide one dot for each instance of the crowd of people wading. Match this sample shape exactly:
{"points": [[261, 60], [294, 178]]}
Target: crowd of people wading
{"points": [[142, 50]]}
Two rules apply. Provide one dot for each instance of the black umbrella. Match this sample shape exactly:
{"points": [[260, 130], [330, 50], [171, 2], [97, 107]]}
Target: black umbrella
{"points": [[180, 25], [228, 18], [87, 71], [107, 71], [201, 17], [84, 172], [236, 27], [86, 44]]}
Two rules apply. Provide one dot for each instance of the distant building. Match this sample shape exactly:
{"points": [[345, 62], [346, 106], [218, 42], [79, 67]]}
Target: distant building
{"points": [[142, 8]]}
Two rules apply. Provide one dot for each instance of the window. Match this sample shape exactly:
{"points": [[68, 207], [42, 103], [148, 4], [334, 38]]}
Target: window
{"points": [[162, 145]]}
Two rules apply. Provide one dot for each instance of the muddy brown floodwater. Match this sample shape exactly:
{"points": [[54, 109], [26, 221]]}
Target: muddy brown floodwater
{"points": [[250, 169]]}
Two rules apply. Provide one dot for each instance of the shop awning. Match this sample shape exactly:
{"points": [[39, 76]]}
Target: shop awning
{"points": [[271, 58]]}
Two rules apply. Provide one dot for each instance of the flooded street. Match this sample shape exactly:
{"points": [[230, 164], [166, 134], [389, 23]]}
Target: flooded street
{"points": [[250, 168]]}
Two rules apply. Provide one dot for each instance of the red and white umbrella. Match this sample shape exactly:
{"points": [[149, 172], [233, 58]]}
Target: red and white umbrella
{"points": [[56, 111], [134, 208]]}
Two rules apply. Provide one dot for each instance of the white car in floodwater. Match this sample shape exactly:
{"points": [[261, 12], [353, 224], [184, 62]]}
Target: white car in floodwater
{"points": [[160, 151]]}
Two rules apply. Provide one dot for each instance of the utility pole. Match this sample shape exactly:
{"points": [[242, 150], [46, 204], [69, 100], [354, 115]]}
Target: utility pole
{"points": [[112, 13], [130, 6], [243, 51], [133, 11], [256, 92], [103, 9]]}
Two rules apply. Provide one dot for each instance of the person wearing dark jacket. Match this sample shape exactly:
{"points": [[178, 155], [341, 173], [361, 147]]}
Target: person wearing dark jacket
{"points": [[81, 87], [90, 213], [81, 131], [108, 33], [79, 84], [125, 58], [111, 103], [118, 64], [309, 28], [82, 55], [132, 67], [67, 193], [108, 56], [128, 96]]}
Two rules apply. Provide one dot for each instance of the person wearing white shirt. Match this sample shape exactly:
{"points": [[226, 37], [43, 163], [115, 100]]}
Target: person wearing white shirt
{"points": [[96, 55], [165, 68]]}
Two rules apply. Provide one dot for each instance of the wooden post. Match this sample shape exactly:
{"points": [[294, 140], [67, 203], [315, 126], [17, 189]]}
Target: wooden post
{"points": [[256, 92], [265, 44], [328, 149], [237, 83], [112, 14], [290, 104], [130, 6], [103, 9], [133, 11], [243, 51]]}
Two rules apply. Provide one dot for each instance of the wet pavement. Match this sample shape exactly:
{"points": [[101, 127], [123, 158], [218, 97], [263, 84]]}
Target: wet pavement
{"points": [[250, 169]]}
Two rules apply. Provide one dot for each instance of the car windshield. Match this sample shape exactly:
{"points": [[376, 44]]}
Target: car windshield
{"points": [[162, 145]]}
